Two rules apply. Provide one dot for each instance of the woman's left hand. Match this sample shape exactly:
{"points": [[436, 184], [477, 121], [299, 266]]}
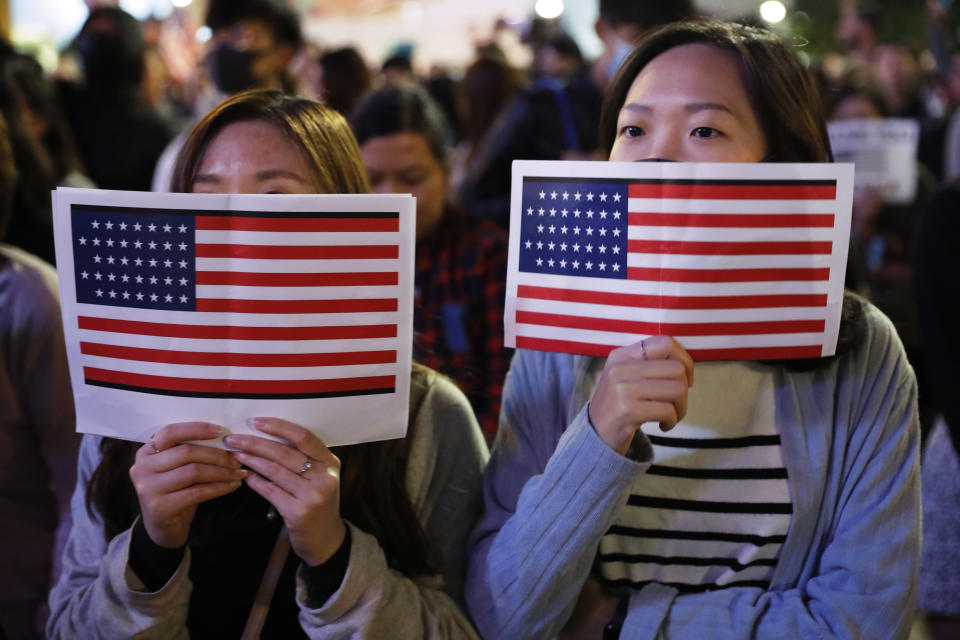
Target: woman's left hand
{"points": [[308, 500]]}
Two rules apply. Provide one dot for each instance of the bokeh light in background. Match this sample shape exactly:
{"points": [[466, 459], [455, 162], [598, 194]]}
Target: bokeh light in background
{"points": [[204, 33], [439, 32], [143, 9], [773, 11], [549, 9]]}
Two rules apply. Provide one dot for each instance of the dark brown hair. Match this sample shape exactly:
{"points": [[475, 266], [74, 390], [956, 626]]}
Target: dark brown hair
{"points": [[373, 493], [403, 107], [782, 92], [321, 133], [345, 79], [8, 177]]}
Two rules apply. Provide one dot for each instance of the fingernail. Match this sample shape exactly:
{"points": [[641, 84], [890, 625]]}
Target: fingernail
{"points": [[242, 473], [255, 423], [214, 429], [232, 441]]}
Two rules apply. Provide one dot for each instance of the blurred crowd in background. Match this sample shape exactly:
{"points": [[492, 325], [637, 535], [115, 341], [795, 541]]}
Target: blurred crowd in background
{"points": [[115, 111]]}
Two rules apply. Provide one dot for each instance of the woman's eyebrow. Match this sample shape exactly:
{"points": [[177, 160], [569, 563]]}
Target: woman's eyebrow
{"points": [[269, 174], [693, 107], [206, 178], [636, 106]]}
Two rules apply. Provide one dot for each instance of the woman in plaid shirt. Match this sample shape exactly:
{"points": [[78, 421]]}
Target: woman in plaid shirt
{"points": [[461, 263]]}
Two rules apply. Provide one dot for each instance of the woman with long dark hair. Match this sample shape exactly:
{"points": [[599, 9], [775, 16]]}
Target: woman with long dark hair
{"points": [[172, 538], [772, 499]]}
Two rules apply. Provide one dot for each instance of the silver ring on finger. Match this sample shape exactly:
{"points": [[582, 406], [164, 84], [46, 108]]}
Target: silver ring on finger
{"points": [[153, 445], [307, 465]]}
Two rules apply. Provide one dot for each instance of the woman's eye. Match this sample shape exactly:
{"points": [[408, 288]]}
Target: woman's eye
{"points": [[412, 179], [705, 132], [631, 131]]}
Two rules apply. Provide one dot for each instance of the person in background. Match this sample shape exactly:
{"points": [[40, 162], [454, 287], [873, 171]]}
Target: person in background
{"points": [[460, 272], [118, 136], [882, 240], [43, 149], [857, 34], [620, 23], [488, 86], [38, 446], [897, 76], [398, 67], [253, 44], [938, 298], [171, 538], [557, 120], [445, 91], [771, 499], [342, 78]]}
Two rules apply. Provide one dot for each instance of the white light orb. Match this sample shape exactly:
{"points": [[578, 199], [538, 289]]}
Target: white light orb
{"points": [[180, 4], [549, 9], [204, 34], [773, 11]]}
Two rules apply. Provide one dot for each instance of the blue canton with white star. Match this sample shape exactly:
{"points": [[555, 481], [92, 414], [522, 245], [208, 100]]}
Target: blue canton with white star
{"points": [[574, 228], [133, 258]]}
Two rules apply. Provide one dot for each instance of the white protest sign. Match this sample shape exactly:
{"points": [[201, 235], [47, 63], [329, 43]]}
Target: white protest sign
{"points": [[884, 152], [220, 308], [735, 261]]}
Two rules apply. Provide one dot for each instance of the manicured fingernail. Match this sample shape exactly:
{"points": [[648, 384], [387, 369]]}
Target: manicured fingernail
{"points": [[232, 442], [214, 429], [255, 423], [242, 473]]}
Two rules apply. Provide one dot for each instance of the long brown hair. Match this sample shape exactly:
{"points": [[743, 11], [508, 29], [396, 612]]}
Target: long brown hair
{"points": [[373, 493]]}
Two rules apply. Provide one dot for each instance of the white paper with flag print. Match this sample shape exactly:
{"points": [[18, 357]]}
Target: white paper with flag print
{"points": [[224, 307], [736, 261]]}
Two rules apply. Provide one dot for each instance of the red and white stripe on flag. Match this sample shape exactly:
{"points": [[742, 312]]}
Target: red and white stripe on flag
{"points": [[315, 299], [735, 261], [224, 307]]}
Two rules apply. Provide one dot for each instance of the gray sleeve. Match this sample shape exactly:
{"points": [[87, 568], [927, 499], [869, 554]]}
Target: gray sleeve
{"points": [[97, 595], [551, 490], [48, 403], [375, 601]]}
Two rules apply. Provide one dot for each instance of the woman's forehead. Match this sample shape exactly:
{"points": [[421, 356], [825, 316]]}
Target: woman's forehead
{"points": [[692, 73]]}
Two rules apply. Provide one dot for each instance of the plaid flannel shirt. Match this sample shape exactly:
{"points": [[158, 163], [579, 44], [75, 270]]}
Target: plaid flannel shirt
{"points": [[459, 285]]}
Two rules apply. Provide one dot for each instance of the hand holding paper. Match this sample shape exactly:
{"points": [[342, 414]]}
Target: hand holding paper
{"points": [[301, 480], [172, 477], [644, 382]]}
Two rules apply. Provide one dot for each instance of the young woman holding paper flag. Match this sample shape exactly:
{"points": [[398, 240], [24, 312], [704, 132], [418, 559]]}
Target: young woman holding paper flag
{"points": [[775, 500], [173, 539]]}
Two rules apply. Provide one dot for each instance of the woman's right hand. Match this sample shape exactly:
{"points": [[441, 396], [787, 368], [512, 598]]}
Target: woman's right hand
{"points": [[644, 382], [171, 477]]}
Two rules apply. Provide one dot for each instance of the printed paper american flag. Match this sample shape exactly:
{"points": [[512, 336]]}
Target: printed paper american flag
{"points": [[238, 310], [735, 261]]}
